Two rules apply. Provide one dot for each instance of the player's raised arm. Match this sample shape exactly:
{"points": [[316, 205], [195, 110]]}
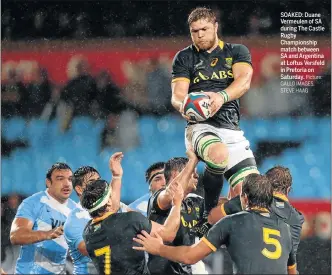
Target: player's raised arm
{"points": [[117, 172], [217, 236], [170, 227], [164, 199]]}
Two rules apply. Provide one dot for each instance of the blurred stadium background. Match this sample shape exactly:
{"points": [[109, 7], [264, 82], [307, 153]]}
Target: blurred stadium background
{"points": [[81, 80]]}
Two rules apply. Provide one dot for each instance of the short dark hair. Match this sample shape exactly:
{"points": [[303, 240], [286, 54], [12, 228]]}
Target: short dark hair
{"points": [[202, 13], [280, 178], [258, 190], [81, 173], [57, 166], [155, 166], [174, 164], [93, 192]]}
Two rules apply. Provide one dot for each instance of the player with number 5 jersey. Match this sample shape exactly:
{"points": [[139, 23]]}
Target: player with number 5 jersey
{"points": [[257, 241]]}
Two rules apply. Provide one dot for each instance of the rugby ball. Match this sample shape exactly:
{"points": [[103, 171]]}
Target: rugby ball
{"points": [[196, 106]]}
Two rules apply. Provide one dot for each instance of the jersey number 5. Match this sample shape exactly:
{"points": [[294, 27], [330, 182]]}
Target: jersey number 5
{"points": [[106, 250], [267, 233]]}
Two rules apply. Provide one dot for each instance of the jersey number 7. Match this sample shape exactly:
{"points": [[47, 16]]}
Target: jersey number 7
{"points": [[267, 233], [106, 250]]}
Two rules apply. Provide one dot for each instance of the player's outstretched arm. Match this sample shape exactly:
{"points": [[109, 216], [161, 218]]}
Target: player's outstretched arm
{"points": [[169, 229], [164, 199], [217, 212], [184, 254], [21, 233], [224, 208], [116, 183], [217, 236]]}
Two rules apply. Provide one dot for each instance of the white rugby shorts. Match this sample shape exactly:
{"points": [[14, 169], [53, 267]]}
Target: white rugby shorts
{"points": [[238, 145]]}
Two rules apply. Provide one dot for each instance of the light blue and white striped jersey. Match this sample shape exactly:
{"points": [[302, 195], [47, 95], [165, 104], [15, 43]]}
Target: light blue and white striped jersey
{"points": [[46, 213], [141, 204], [73, 231]]}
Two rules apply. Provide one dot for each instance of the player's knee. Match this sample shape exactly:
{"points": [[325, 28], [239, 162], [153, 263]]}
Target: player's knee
{"points": [[215, 153], [218, 154]]}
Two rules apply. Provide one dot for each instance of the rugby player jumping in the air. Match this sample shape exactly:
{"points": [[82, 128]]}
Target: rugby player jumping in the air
{"points": [[223, 71]]}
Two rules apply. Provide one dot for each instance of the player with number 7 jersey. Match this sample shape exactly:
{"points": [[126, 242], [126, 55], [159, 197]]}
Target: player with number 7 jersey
{"points": [[257, 241], [109, 236]]}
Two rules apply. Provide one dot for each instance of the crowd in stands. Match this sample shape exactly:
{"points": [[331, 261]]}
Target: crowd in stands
{"points": [[148, 92], [84, 94], [72, 20]]}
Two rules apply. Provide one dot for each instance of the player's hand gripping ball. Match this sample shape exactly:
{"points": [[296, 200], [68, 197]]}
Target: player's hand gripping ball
{"points": [[196, 106]]}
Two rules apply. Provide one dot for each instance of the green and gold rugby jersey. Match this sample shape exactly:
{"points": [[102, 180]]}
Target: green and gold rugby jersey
{"points": [[212, 72]]}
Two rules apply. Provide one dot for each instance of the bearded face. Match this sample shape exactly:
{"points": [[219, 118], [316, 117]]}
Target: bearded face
{"points": [[204, 34]]}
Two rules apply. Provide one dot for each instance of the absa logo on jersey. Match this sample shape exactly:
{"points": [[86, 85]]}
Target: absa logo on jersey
{"points": [[215, 75]]}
